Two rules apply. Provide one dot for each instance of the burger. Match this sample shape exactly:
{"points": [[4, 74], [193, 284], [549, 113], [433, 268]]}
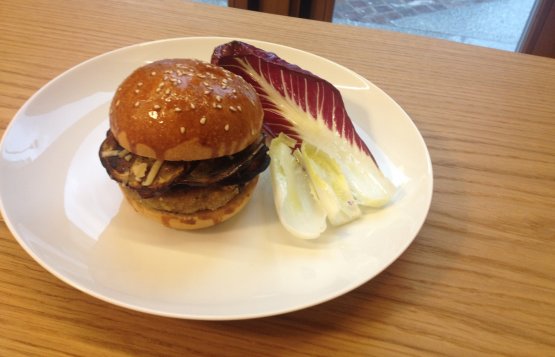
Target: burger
{"points": [[185, 142]]}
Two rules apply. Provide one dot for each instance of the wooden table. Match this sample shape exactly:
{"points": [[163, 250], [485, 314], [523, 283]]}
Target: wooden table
{"points": [[478, 279]]}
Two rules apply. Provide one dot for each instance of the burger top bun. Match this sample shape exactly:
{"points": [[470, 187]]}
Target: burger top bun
{"points": [[185, 109]]}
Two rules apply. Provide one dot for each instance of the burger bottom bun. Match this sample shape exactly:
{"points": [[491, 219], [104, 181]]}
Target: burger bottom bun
{"points": [[196, 220]]}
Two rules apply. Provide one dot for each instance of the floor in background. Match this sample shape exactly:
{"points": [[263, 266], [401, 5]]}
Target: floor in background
{"points": [[490, 23]]}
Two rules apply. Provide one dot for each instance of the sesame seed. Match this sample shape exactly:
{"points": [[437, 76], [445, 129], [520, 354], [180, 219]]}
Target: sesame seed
{"points": [[161, 85], [178, 109], [119, 88], [179, 73], [117, 102], [182, 130], [153, 114], [226, 127], [219, 106], [152, 73], [206, 84], [137, 91], [166, 78], [224, 80], [156, 107], [203, 120], [158, 89], [167, 100], [192, 105], [218, 98], [234, 91], [168, 91], [232, 108], [140, 84], [179, 81], [200, 75], [173, 79], [207, 92], [136, 104], [167, 71], [239, 108]]}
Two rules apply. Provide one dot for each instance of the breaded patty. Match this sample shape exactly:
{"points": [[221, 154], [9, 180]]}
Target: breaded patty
{"points": [[189, 200]]}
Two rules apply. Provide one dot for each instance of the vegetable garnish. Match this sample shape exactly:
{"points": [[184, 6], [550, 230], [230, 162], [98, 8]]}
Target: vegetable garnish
{"points": [[296, 204], [317, 132]]}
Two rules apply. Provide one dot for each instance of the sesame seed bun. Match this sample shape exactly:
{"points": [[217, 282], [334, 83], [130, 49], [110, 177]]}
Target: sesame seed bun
{"points": [[185, 110], [195, 220]]}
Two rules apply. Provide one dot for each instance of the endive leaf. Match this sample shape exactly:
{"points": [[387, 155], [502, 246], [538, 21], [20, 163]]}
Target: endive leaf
{"points": [[331, 186], [296, 204]]}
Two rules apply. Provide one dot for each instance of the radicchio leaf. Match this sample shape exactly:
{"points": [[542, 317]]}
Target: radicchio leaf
{"points": [[299, 88], [310, 111]]}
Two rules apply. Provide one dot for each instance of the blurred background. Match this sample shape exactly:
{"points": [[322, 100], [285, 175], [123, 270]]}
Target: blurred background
{"points": [[502, 24]]}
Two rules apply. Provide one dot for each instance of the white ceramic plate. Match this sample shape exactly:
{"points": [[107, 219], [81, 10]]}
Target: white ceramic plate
{"points": [[70, 217]]}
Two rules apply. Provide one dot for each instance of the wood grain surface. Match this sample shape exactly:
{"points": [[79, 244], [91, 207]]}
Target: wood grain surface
{"points": [[478, 280]]}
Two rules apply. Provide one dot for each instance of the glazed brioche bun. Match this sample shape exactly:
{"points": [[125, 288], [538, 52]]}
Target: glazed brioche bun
{"points": [[185, 110], [196, 220]]}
